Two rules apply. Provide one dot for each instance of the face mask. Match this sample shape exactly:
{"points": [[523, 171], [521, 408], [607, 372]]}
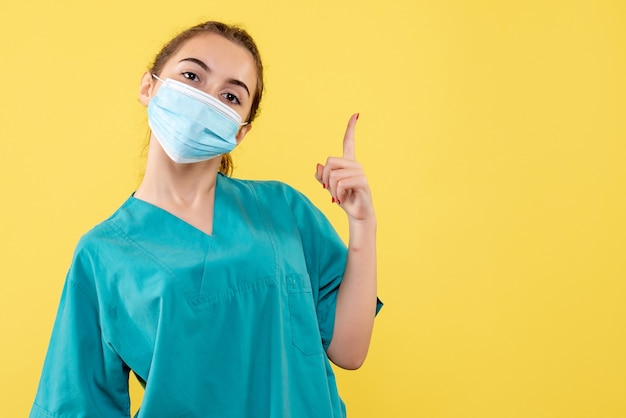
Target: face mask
{"points": [[190, 124]]}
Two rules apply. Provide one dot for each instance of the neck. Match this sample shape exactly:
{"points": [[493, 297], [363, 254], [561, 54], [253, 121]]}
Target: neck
{"points": [[166, 182]]}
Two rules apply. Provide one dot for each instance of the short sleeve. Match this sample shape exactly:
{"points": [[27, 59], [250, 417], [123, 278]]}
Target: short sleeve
{"points": [[82, 376], [326, 255]]}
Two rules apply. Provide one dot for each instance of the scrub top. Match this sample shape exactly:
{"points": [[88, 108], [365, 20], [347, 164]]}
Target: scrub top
{"points": [[233, 324]]}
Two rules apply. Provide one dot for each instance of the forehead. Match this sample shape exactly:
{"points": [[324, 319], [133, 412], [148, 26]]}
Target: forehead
{"points": [[223, 57]]}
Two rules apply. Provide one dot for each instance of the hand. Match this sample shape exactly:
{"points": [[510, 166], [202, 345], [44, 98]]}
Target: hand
{"points": [[345, 180]]}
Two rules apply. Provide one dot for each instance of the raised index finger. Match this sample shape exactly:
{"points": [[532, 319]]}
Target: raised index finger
{"points": [[348, 139]]}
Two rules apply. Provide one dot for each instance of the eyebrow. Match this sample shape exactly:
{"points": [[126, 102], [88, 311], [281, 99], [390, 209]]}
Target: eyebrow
{"points": [[207, 69]]}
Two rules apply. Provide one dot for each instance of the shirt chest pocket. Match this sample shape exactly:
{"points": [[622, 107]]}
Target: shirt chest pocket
{"points": [[303, 316]]}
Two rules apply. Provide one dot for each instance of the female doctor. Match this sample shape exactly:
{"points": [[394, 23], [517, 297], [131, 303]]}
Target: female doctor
{"points": [[225, 297]]}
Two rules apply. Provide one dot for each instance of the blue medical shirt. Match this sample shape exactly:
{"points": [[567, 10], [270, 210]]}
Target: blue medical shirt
{"points": [[234, 324]]}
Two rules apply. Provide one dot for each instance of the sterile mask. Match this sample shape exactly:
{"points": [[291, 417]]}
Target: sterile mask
{"points": [[190, 124]]}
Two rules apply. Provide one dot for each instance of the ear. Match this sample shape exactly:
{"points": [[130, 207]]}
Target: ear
{"points": [[242, 132], [145, 88]]}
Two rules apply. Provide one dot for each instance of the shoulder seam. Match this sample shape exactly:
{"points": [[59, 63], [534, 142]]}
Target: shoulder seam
{"points": [[143, 250]]}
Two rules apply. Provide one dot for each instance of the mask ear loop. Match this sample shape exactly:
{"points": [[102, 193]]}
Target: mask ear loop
{"points": [[158, 78]]}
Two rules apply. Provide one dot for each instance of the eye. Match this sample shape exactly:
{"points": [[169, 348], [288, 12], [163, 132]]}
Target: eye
{"points": [[190, 76], [231, 98]]}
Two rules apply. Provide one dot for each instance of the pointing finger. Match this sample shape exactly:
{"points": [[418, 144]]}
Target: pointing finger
{"points": [[348, 139]]}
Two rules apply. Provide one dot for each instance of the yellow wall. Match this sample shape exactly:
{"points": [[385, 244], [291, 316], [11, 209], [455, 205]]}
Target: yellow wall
{"points": [[494, 136]]}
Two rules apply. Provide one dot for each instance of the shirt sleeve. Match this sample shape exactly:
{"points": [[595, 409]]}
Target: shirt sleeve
{"points": [[81, 376], [326, 255]]}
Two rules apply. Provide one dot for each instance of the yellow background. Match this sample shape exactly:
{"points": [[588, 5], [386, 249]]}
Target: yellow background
{"points": [[493, 133]]}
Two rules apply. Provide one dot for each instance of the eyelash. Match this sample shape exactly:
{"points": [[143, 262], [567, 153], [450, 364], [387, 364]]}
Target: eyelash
{"points": [[190, 76], [229, 97]]}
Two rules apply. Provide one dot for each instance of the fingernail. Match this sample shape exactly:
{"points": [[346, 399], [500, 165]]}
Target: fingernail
{"points": [[338, 202], [333, 200], [357, 116], [323, 185]]}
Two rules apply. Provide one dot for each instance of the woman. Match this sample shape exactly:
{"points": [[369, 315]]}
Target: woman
{"points": [[226, 298]]}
